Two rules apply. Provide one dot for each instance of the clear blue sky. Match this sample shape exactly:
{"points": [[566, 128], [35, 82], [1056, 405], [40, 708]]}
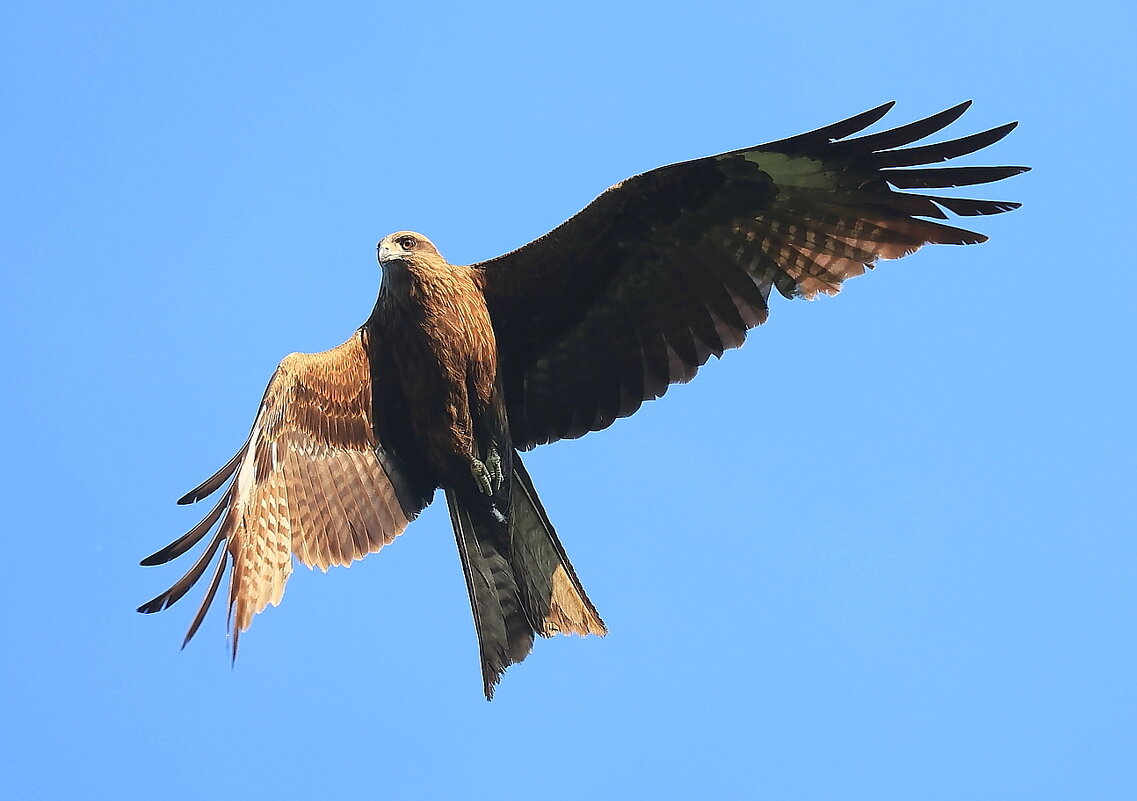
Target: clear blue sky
{"points": [[885, 551]]}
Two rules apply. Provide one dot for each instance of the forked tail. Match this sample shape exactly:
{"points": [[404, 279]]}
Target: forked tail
{"points": [[520, 581]]}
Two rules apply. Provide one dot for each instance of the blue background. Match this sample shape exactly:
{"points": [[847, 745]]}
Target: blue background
{"points": [[885, 551]]}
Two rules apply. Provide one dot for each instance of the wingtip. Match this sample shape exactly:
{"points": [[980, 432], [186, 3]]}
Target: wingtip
{"points": [[999, 131], [235, 638], [192, 630], [874, 115], [953, 113], [958, 110], [153, 605], [161, 556]]}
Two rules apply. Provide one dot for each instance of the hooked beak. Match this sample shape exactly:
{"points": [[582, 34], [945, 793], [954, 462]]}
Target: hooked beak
{"points": [[383, 252]]}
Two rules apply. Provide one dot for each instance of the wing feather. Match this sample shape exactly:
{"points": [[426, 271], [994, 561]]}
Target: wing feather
{"points": [[207, 600], [941, 151], [899, 136], [193, 536], [308, 484], [210, 485], [941, 177], [673, 266], [827, 134]]}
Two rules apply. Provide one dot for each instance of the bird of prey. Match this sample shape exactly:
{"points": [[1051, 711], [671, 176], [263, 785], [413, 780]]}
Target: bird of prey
{"points": [[458, 368]]}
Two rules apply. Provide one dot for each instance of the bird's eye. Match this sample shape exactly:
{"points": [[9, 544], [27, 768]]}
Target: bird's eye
{"points": [[408, 243]]}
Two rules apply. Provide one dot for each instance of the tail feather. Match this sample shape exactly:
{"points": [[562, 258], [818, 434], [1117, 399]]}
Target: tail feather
{"points": [[505, 635], [554, 597], [520, 580]]}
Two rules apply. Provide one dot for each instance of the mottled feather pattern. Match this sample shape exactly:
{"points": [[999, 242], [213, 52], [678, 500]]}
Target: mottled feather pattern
{"points": [[308, 484]]}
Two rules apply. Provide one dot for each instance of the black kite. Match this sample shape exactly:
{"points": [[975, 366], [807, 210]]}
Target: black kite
{"points": [[458, 368]]}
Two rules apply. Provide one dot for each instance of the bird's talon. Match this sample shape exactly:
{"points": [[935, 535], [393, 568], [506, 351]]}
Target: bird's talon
{"points": [[493, 465], [482, 476]]}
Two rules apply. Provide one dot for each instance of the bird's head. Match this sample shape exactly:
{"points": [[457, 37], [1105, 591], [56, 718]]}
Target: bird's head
{"points": [[407, 248]]}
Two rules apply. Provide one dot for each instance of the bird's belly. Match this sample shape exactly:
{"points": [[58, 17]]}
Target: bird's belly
{"points": [[446, 374]]}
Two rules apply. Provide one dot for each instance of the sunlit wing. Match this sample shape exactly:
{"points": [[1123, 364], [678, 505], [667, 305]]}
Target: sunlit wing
{"points": [[312, 481], [672, 266]]}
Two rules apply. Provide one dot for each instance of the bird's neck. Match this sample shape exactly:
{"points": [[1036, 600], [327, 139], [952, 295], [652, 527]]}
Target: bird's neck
{"points": [[418, 283], [421, 292]]}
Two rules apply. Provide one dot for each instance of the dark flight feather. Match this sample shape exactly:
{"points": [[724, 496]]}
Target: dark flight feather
{"points": [[799, 215], [210, 485], [896, 137], [193, 536], [941, 177], [823, 136]]}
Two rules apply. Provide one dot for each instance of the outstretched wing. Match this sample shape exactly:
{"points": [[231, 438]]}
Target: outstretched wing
{"points": [[663, 270], [312, 481]]}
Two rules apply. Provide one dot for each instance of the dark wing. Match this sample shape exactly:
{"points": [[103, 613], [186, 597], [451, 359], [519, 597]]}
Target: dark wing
{"points": [[310, 482], [665, 269]]}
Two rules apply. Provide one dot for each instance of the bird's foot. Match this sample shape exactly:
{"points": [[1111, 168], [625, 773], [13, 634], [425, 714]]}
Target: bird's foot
{"points": [[481, 476], [493, 465], [487, 474]]}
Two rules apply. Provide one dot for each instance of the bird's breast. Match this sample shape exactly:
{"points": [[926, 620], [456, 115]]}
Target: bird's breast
{"points": [[439, 347], [455, 326]]}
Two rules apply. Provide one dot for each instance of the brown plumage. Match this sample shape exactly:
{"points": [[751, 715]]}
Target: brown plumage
{"points": [[459, 367]]}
